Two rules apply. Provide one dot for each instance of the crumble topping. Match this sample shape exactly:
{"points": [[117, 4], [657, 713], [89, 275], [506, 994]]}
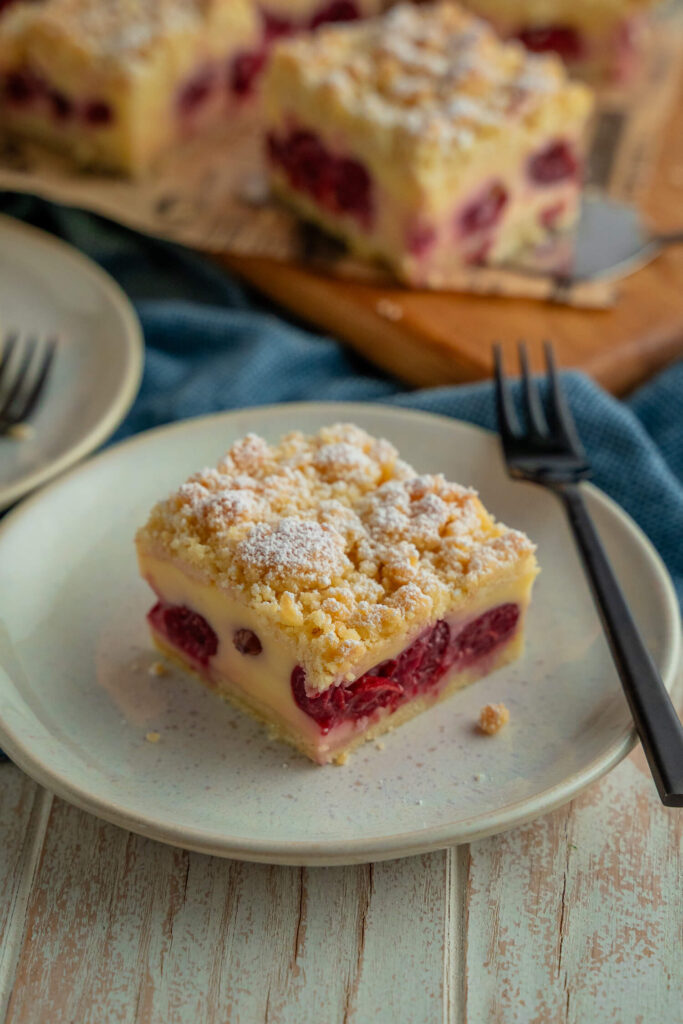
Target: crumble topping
{"points": [[333, 539], [292, 553], [432, 73]]}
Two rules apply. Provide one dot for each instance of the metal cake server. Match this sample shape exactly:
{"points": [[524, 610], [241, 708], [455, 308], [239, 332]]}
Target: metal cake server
{"points": [[610, 242], [613, 241]]}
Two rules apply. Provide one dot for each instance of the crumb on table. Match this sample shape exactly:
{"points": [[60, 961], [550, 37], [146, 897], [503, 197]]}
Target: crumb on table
{"points": [[153, 737], [389, 309], [492, 718]]}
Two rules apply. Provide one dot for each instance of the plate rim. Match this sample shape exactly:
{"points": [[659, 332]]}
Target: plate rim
{"points": [[132, 356], [348, 851]]}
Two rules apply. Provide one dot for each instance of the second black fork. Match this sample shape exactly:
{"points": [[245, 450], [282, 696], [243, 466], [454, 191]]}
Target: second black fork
{"points": [[548, 452]]}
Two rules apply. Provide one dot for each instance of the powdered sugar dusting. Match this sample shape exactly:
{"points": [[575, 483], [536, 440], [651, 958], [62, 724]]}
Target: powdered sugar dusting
{"points": [[292, 552]]}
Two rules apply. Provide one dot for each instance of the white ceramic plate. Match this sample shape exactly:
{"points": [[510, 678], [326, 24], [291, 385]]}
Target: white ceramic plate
{"points": [[77, 698], [47, 287]]}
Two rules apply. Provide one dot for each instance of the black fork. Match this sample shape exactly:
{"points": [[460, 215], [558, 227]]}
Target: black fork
{"points": [[22, 378], [548, 452]]}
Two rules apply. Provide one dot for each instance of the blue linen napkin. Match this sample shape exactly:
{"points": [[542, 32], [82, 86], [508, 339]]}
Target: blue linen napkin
{"points": [[212, 345]]}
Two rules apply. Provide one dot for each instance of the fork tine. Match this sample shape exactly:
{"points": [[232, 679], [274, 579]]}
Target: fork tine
{"points": [[539, 424], [37, 389], [8, 345], [19, 379], [508, 424], [561, 412]]}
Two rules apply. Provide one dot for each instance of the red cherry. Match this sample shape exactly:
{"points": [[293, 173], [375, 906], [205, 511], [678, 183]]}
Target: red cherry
{"points": [[337, 10], [557, 162], [484, 211], [565, 41], [186, 630]]}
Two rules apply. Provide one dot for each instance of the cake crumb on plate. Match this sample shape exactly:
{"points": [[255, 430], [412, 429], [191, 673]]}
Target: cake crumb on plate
{"points": [[153, 737], [157, 668], [492, 718], [21, 432]]}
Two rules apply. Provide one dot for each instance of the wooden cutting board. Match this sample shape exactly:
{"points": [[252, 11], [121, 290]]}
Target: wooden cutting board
{"points": [[431, 339]]}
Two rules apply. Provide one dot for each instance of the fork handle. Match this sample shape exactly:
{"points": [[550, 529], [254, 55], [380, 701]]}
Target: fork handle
{"points": [[655, 717]]}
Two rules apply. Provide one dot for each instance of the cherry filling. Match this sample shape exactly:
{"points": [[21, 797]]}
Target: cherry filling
{"points": [[338, 184], [485, 211], [417, 670], [336, 10], [563, 40], [98, 113], [275, 27], [196, 91], [20, 87], [24, 88], [245, 70], [557, 162], [62, 107], [420, 238], [186, 630]]}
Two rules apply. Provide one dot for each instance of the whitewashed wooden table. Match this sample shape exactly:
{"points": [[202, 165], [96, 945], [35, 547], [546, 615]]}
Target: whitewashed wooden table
{"points": [[575, 917]]}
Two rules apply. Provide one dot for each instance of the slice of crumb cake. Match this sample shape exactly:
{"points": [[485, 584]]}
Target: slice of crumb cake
{"points": [[114, 83], [326, 587], [422, 140]]}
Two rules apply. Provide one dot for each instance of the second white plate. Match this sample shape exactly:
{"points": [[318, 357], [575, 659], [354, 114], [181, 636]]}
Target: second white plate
{"points": [[47, 288], [77, 699]]}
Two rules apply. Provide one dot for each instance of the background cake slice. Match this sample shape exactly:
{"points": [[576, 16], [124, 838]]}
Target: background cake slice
{"points": [[597, 39], [421, 139], [324, 586], [115, 83]]}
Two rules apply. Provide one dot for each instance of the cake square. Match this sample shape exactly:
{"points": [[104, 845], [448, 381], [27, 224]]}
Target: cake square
{"points": [[422, 140], [114, 84], [327, 588], [599, 40]]}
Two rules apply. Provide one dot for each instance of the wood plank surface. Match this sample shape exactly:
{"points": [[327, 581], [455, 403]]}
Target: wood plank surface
{"points": [[576, 917], [432, 339], [24, 807], [124, 929]]}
